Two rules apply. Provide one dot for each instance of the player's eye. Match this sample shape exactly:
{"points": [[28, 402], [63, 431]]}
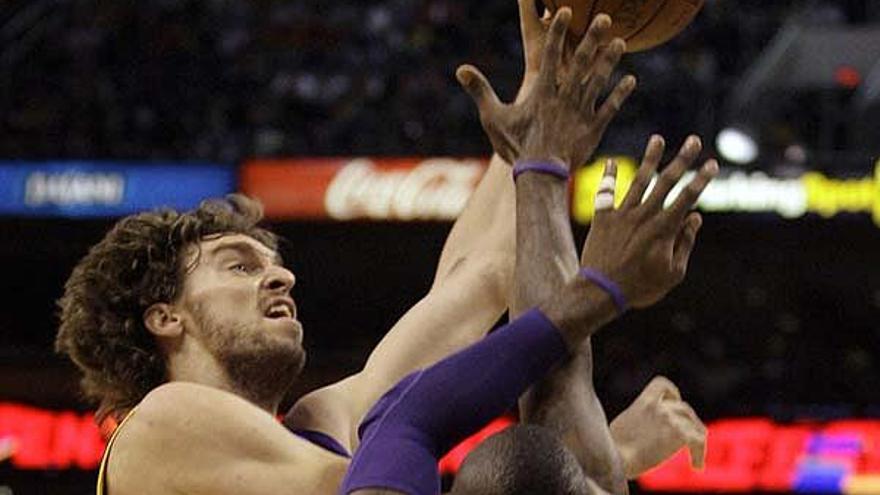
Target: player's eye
{"points": [[240, 267]]}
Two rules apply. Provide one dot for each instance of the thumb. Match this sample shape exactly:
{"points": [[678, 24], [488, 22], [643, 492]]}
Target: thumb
{"points": [[477, 86]]}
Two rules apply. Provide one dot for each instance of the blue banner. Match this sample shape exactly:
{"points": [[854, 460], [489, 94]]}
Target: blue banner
{"points": [[108, 189]]}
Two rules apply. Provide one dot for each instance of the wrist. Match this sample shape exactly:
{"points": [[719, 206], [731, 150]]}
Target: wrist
{"points": [[606, 284], [579, 311], [545, 167]]}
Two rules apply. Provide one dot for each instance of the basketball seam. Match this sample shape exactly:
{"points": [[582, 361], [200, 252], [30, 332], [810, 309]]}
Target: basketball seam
{"points": [[648, 22]]}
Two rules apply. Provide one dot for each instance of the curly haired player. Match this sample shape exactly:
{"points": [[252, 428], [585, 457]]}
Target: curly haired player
{"points": [[184, 328]]}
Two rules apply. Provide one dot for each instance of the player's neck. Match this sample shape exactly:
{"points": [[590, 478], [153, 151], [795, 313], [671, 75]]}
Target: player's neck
{"points": [[202, 368]]}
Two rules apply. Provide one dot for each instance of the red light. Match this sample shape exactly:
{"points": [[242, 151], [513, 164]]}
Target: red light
{"points": [[450, 463], [847, 76], [50, 440]]}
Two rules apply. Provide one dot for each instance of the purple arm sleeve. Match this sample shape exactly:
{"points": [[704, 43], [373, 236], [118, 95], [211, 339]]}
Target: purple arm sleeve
{"points": [[429, 411]]}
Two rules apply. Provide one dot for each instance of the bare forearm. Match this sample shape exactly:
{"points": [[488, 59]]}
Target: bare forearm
{"points": [[546, 256], [565, 400], [485, 227]]}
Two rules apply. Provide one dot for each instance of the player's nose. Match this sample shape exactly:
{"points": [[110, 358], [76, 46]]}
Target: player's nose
{"points": [[279, 279]]}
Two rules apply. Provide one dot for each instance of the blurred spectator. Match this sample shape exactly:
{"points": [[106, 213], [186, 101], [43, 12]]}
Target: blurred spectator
{"points": [[227, 79]]}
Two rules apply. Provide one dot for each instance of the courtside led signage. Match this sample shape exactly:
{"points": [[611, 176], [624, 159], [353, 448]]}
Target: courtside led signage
{"points": [[99, 189], [402, 189], [755, 192], [361, 188], [743, 455]]}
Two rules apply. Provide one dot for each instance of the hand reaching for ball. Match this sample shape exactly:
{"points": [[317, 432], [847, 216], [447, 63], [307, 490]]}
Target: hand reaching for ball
{"points": [[557, 118]]}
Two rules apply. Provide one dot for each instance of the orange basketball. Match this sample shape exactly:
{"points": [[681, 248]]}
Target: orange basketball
{"points": [[643, 24]]}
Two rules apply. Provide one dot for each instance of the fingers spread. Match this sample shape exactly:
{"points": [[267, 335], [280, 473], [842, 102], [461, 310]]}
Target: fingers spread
{"points": [[670, 177], [689, 196], [477, 86], [601, 73], [650, 162], [553, 50], [614, 103], [530, 22], [684, 244], [585, 55]]}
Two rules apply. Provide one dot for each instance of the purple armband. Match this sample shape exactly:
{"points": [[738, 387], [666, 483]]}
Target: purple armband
{"points": [[547, 168], [607, 285]]}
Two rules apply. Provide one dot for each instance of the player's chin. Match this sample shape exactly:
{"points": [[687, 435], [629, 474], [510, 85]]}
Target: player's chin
{"points": [[288, 327]]}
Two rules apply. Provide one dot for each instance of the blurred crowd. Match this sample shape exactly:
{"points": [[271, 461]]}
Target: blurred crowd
{"points": [[229, 79]]}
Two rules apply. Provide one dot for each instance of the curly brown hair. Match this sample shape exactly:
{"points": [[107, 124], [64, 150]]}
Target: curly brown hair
{"points": [[140, 262]]}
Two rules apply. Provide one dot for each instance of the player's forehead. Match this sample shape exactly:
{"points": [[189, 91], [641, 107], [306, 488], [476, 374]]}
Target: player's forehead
{"points": [[215, 245]]}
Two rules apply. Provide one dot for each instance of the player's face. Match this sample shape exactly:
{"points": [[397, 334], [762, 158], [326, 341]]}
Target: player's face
{"points": [[236, 301]]}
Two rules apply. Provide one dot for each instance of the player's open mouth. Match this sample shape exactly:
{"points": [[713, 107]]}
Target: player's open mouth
{"points": [[279, 310]]}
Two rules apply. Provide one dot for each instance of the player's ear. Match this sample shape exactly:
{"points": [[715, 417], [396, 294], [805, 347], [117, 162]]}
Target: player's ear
{"points": [[162, 320]]}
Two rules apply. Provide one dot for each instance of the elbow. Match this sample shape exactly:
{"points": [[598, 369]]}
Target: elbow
{"points": [[496, 273], [491, 274]]}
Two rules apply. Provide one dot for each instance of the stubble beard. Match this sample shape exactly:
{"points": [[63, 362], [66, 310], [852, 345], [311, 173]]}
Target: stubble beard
{"points": [[260, 366]]}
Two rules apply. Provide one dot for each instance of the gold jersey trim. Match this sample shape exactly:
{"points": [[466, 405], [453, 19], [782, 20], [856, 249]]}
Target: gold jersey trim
{"points": [[102, 471]]}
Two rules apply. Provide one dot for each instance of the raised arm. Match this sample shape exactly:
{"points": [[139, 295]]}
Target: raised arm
{"points": [[565, 400], [469, 294], [410, 427]]}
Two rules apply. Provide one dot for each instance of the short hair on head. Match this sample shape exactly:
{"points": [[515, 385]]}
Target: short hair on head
{"points": [[520, 460], [138, 263]]}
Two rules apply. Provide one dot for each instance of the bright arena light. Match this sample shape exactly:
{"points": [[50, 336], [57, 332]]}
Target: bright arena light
{"points": [[736, 145]]}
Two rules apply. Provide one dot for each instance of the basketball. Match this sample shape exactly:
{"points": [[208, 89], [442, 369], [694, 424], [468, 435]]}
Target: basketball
{"points": [[644, 24]]}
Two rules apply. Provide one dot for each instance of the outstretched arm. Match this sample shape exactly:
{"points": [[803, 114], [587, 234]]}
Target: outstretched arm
{"points": [[467, 298], [407, 430], [469, 294], [564, 400]]}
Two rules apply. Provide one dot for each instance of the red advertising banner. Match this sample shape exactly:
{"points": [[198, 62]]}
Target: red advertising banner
{"points": [[363, 188], [33, 438], [743, 455]]}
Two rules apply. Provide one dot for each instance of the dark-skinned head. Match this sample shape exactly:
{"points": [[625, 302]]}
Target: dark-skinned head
{"points": [[522, 460]]}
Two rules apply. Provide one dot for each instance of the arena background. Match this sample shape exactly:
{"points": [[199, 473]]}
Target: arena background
{"points": [[113, 106]]}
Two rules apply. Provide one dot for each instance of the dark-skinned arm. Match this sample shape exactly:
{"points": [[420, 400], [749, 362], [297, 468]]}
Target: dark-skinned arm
{"points": [[565, 400], [406, 431]]}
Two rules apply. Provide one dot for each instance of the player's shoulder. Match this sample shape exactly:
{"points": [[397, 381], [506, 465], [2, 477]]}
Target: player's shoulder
{"points": [[195, 408], [147, 444], [176, 412], [175, 397], [181, 432]]}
